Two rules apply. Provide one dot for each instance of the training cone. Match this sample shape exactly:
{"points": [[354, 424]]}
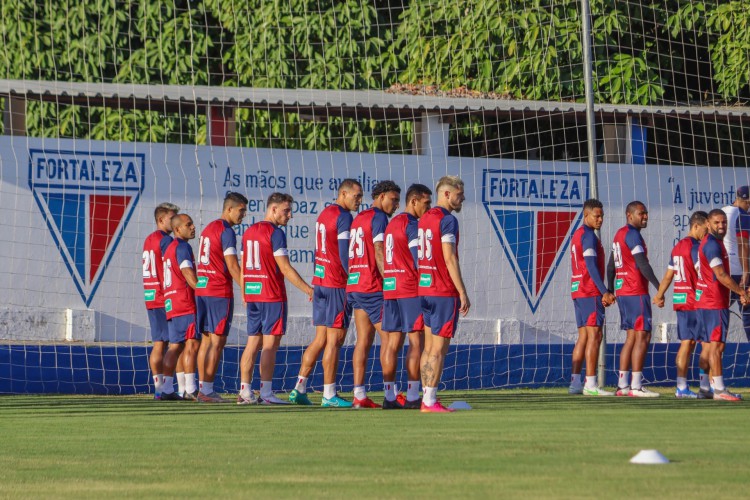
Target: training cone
{"points": [[460, 405], [649, 457]]}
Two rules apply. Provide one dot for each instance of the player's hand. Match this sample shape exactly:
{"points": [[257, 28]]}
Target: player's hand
{"points": [[608, 299], [658, 301], [744, 299], [309, 293], [465, 305]]}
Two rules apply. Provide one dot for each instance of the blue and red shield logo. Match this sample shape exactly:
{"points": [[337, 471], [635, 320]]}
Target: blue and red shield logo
{"points": [[87, 199], [534, 214]]}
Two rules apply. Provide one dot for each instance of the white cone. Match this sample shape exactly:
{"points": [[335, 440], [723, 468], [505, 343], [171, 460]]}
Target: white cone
{"points": [[649, 457], [460, 405]]}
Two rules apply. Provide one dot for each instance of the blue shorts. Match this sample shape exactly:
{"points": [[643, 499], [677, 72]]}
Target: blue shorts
{"points": [[715, 324], [403, 315], [330, 307], [441, 315], [268, 318], [182, 328], [371, 303], [690, 327], [589, 311], [635, 312], [157, 318], [214, 314]]}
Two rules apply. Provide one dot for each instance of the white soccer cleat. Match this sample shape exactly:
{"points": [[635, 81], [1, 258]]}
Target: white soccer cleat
{"points": [[575, 389], [596, 391], [272, 400], [642, 393], [251, 400]]}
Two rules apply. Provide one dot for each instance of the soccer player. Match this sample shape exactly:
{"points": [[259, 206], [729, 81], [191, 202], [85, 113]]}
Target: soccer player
{"points": [[331, 311], [179, 303], [590, 297], [441, 286], [364, 288], [265, 264], [402, 307], [714, 286], [683, 270], [217, 267], [153, 250], [629, 273], [737, 243]]}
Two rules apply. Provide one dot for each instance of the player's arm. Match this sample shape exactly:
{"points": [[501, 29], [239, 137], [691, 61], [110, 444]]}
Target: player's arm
{"points": [[611, 272], [343, 225], [187, 266], [644, 266], [589, 245], [663, 287], [379, 223], [726, 280], [229, 244], [454, 270], [291, 274], [189, 274]]}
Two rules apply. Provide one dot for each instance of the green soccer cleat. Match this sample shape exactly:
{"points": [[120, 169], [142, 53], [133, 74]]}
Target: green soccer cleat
{"points": [[299, 398], [336, 402]]}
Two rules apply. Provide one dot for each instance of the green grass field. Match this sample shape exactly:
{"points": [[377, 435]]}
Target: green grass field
{"points": [[513, 444]]}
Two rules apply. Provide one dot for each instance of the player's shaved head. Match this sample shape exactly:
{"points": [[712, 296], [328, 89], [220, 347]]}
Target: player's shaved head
{"points": [[179, 220], [233, 199], [417, 191], [278, 198], [451, 181], [633, 206], [164, 209], [348, 185], [716, 212], [591, 204], [698, 218]]}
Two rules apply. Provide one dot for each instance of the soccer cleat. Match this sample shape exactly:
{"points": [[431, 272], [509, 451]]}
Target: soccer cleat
{"points": [[335, 402], [623, 391], [272, 400], [172, 396], [214, 397], [436, 408], [401, 398], [596, 391], [575, 389], [642, 393], [392, 405], [250, 400], [685, 393], [705, 394], [190, 396], [157, 396], [413, 405], [299, 398], [725, 395], [364, 403]]}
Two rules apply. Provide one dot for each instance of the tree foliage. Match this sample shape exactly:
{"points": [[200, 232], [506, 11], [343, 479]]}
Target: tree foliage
{"points": [[644, 53]]}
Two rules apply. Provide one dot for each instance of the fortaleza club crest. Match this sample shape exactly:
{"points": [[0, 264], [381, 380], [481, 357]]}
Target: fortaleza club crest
{"points": [[534, 214], [87, 199]]}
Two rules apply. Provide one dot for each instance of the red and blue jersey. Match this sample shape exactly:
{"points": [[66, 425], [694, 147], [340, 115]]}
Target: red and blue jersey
{"points": [[367, 229], [179, 297], [154, 247], [628, 243], [711, 294], [436, 226], [217, 241], [585, 244], [264, 281], [683, 262], [332, 226], [400, 265]]}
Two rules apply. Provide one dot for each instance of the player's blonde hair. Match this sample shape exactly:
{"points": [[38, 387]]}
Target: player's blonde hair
{"points": [[452, 181]]}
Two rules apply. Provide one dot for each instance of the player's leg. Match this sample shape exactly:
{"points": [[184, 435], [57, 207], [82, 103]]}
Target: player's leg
{"points": [[189, 357], [443, 320], [271, 345], [170, 363], [704, 365], [201, 317], [274, 326], [365, 337], [180, 374], [247, 364], [592, 387], [334, 342], [638, 358], [413, 369], [718, 334], [579, 354], [309, 358], [626, 323], [157, 319], [682, 363], [220, 311], [389, 348]]}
